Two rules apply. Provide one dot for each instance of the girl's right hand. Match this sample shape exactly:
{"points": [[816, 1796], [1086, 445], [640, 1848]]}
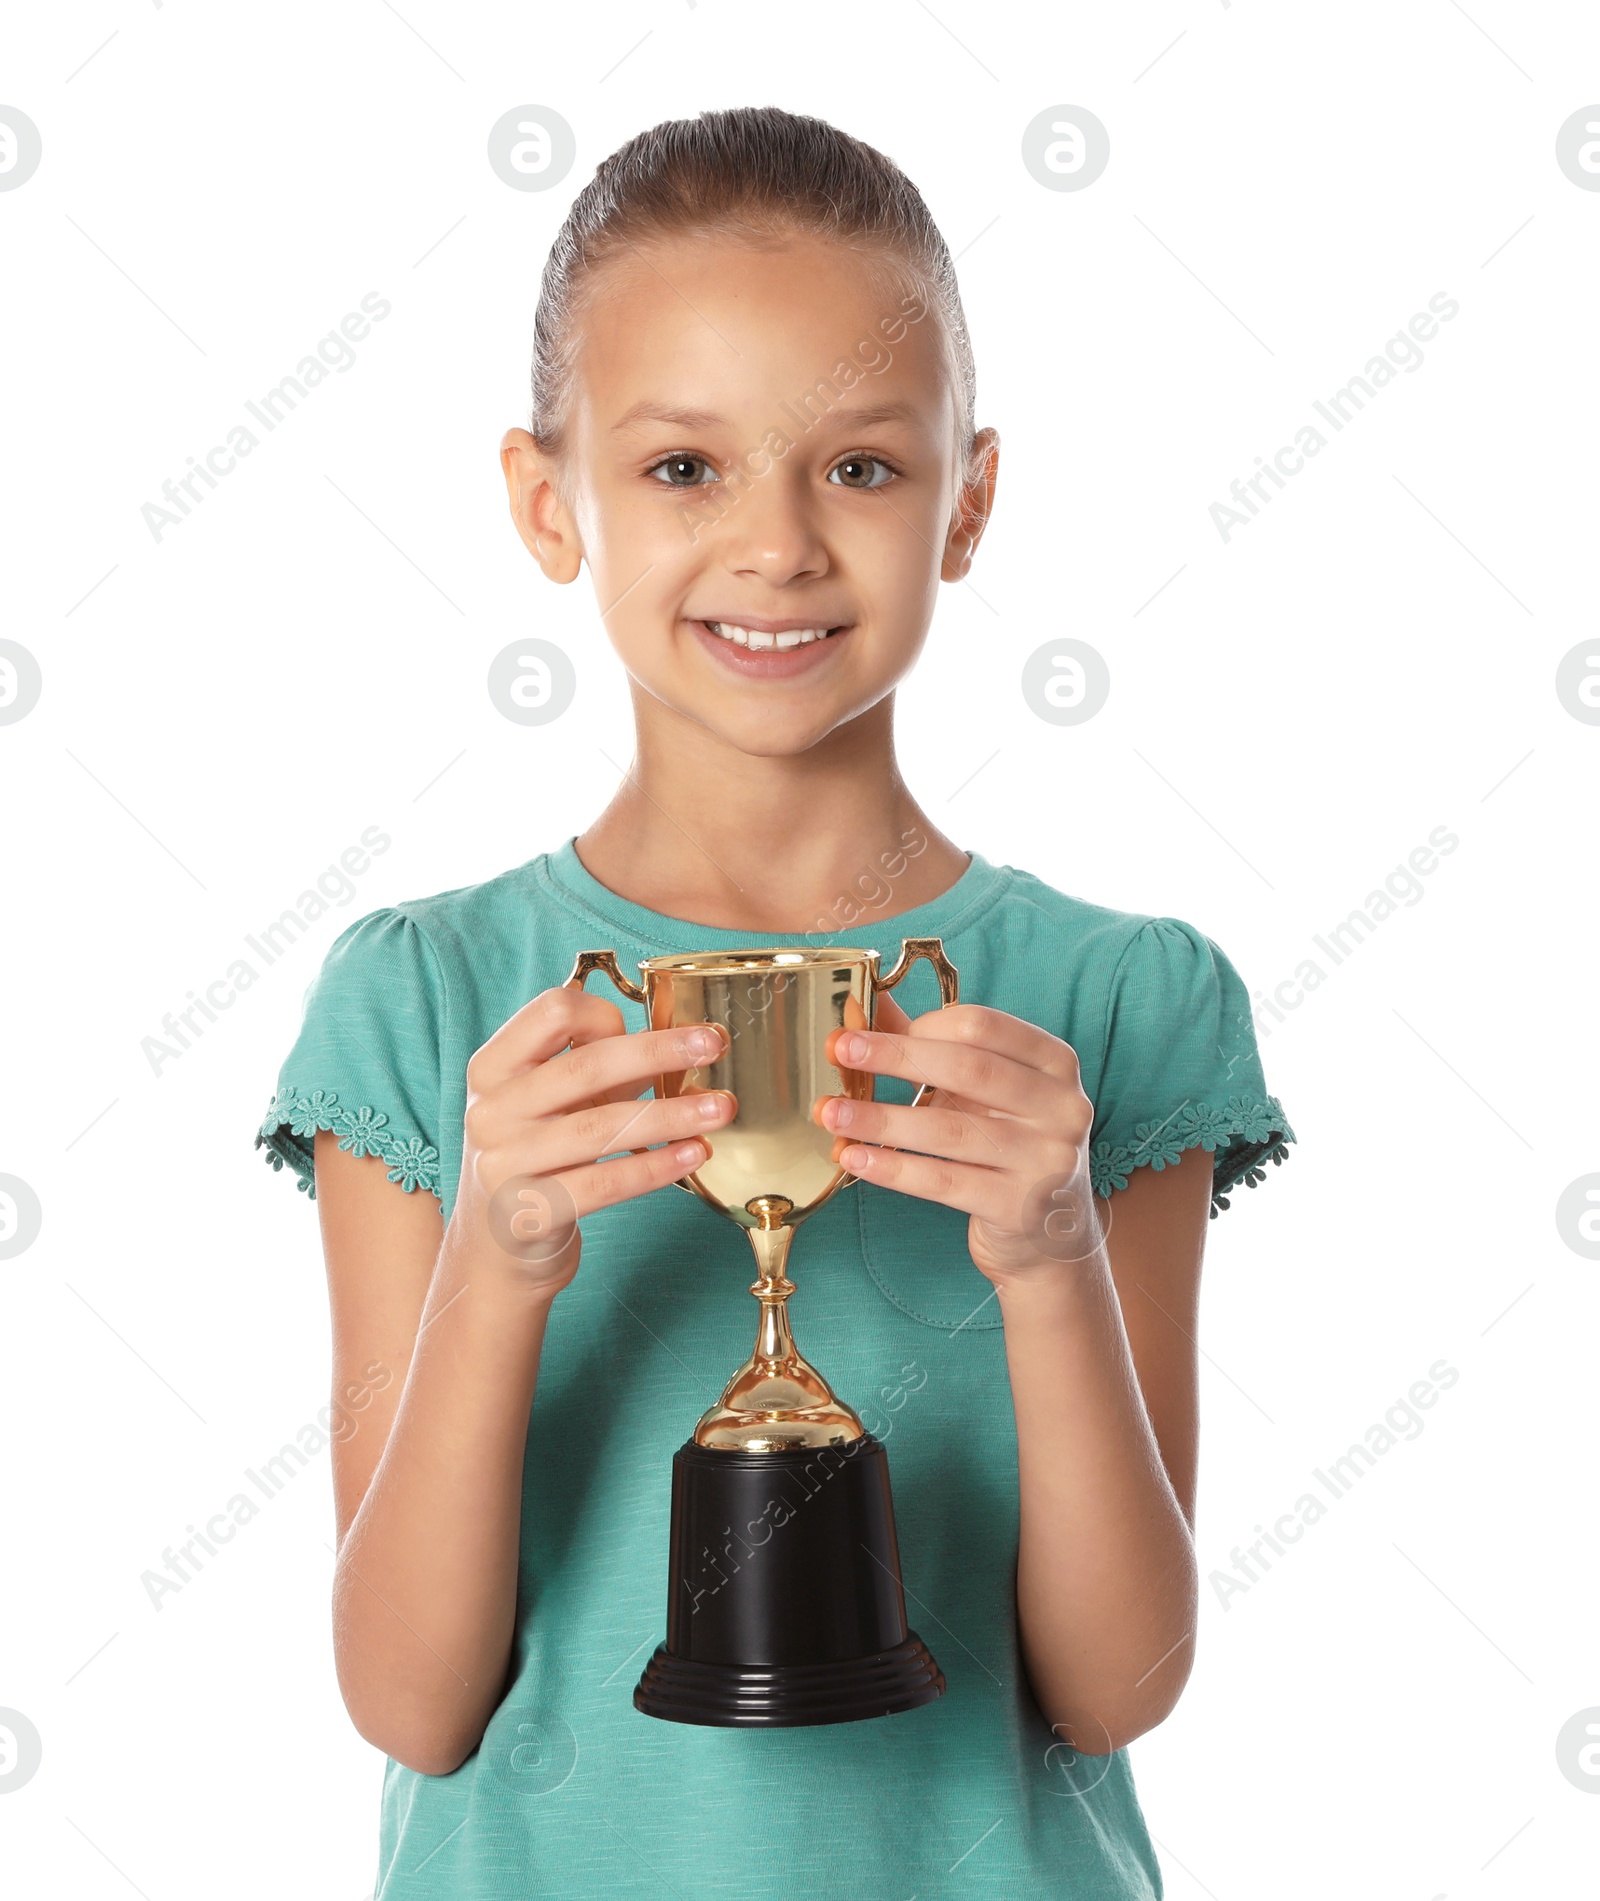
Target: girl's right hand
{"points": [[555, 1088]]}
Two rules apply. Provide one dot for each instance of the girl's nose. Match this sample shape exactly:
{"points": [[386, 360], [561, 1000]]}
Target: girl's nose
{"points": [[770, 532]]}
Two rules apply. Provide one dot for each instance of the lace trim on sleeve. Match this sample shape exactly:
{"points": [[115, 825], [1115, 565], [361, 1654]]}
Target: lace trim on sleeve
{"points": [[1245, 1132], [290, 1126]]}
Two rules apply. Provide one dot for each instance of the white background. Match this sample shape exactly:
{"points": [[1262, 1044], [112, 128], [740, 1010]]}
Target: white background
{"points": [[1292, 712]]}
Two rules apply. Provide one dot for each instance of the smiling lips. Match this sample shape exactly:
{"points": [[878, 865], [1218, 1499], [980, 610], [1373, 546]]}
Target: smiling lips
{"points": [[771, 649]]}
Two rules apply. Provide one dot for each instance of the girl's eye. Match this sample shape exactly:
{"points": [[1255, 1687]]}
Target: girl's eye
{"points": [[685, 471], [861, 471]]}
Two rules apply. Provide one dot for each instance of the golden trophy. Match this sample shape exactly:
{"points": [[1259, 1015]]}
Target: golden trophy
{"points": [[785, 1604]]}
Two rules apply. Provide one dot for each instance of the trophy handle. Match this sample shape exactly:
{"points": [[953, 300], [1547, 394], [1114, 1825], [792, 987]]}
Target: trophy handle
{"points": [[604, 960], [607, 960], [932, 948]]}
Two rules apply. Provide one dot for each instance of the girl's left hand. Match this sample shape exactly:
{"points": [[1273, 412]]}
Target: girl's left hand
{"points": [[1004, 1136]]}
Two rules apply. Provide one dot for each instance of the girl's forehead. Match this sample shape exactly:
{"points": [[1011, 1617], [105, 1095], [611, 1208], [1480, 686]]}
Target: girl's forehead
{"points": [[693, 316]]}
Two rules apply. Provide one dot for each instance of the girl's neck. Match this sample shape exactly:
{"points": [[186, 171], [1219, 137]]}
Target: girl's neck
{"points": [[813, 842]]}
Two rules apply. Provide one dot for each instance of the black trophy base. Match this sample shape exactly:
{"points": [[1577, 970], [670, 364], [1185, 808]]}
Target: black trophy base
{"points": [[735, 1696], [785, 1603]]}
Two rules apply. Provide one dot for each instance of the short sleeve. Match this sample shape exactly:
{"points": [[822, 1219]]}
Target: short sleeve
{"points": [[366, 1063], [1181, 1068]]}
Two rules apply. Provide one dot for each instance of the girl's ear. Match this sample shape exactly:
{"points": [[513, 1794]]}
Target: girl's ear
{"points": [[543, 519], [974, 501]]}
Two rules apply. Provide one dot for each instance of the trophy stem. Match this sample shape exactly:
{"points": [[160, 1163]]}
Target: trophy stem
{"points": [[772, 1285], [776, 1400], [774, 1341]]}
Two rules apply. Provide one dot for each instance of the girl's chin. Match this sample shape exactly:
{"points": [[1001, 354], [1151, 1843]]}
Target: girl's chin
{"points": [[768, 726]]}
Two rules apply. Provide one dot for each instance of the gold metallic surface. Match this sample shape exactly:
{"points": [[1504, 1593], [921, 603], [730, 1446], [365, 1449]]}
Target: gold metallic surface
{"points": [[605, 960], [772, 1165]]}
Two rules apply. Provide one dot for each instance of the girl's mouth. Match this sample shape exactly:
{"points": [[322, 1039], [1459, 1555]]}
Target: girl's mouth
{"points": [[767, 652]]}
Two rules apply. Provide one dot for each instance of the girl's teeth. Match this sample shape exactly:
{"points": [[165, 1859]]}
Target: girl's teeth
{"points": [[754, 637]]}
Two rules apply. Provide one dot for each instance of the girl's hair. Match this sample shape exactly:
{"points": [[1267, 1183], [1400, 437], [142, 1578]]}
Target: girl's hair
{"points": [[764, 173]]}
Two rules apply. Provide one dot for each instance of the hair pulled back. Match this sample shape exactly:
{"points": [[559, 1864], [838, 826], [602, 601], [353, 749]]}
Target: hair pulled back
{"points": [[757, 170]]}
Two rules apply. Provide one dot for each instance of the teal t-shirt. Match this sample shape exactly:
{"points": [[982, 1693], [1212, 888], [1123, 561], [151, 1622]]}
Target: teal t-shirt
{"points": [[572, 1792]]}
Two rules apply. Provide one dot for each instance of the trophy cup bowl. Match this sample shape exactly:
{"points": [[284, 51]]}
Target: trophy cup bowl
{"points": [[785, 1604]]}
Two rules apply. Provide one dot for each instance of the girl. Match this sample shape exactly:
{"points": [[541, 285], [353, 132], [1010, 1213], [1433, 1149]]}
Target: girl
{"points": [[753, 421]]}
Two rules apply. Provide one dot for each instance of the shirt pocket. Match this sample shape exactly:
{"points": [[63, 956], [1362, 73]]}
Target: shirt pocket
{"points": [[916, 1256]]}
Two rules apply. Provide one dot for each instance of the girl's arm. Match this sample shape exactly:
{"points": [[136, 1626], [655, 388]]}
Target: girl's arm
{"points": [[428, 1487], [1103, 1382], [427, 1491]]}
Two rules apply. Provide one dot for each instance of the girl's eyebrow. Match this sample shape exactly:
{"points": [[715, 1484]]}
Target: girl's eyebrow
{"points": [[869, 415], [664, 412]]}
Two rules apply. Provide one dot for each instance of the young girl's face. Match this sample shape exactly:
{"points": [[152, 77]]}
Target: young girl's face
{"points": [[761, 439]]}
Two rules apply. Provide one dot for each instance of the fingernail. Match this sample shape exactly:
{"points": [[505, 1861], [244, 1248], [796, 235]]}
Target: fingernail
{"points": [[689, 1152], [844, 1112], [850, 1048], [701, 1043], [712, 1105], [855, 1158]]}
